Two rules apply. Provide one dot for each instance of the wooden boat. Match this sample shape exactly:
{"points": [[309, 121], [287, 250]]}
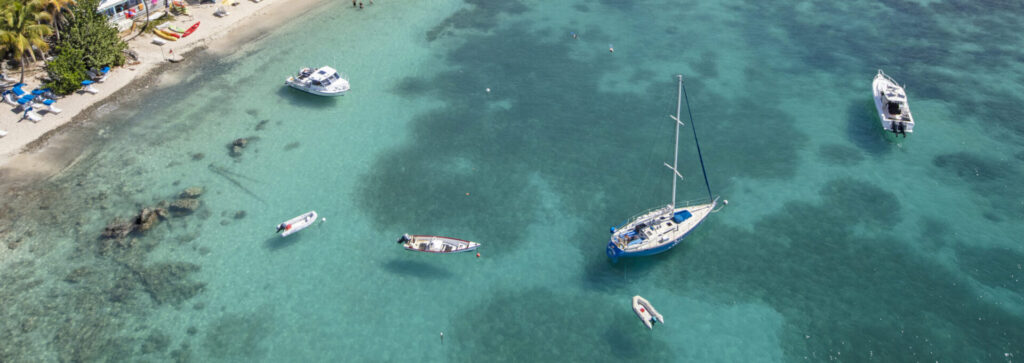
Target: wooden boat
{"points": [[436, 244], [297, 224], [190, 30], [165, 35], [646, 312]]}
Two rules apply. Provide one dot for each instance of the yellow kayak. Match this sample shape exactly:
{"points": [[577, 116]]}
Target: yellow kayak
{"points": [[164, 35]]}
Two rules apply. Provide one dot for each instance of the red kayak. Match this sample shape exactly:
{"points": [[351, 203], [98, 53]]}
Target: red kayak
{"points": [[190, 29]]}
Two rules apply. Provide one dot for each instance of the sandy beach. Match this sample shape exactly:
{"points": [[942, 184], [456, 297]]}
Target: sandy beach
{"points": [[34, 149]]}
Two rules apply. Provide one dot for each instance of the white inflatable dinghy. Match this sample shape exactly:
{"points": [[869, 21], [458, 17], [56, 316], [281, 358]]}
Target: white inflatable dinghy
{"points": [[646, 312], [297, 224]]}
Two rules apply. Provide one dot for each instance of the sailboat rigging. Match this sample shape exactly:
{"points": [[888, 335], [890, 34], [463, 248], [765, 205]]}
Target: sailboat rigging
{"points": [[657, 230]]}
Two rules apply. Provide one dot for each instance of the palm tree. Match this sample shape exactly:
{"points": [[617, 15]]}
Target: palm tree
{"points": [[143, 29], [21, 31], [58, 9]]}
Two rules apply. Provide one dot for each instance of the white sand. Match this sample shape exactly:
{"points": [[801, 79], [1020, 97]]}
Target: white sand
{"points": [[243, 19]]}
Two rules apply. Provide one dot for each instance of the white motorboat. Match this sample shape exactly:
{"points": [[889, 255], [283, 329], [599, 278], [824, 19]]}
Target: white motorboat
{"points": [[646, 312], [297, 224], [659, 229], [436, 244], [891, 102], [324, 81]]}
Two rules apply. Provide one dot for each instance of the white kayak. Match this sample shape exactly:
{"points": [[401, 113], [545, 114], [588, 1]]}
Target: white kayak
{"points": [[297, 224], [646, 312], [436, 244]]}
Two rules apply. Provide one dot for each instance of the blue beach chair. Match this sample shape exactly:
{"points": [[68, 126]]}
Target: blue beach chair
{"points": [[87, 87], [50, 107], [32, 116], [17, 89], [10, 97]]}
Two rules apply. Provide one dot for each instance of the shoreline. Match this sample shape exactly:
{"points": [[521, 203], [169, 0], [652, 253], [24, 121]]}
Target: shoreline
{"points": [[33, 151]]}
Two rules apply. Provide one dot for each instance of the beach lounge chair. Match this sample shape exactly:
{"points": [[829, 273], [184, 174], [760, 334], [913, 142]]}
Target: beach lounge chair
{"points": [[32, 115], [10, 98], [3, 133], [49, 107], [25, 101], [17, 89], [87, 87], [100, 75]]}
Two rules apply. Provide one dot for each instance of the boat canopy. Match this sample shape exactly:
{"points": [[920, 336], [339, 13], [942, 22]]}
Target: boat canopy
{"points": [[681, 216], [325, 74]]}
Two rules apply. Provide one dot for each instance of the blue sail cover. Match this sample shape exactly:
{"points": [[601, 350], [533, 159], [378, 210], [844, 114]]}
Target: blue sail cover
{"points": [[681, 216]]}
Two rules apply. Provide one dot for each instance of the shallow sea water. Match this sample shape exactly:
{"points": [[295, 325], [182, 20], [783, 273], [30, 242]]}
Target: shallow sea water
{"points": [[839, 242]]}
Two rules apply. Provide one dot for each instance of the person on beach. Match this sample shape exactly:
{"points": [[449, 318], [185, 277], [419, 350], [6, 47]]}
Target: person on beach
{"points": [[353, 3], [360, 4]]}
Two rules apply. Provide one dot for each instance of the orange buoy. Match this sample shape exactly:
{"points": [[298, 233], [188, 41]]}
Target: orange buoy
{"points": [[478, 255], [467, 194]]}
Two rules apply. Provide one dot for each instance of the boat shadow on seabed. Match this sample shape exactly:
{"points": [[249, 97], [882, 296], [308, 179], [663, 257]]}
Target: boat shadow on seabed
{"points": [[416, 269], [303, 99], [277, 242]]}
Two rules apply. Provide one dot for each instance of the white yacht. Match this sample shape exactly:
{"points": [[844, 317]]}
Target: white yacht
{"points": [[324, 81], [891, 102]]}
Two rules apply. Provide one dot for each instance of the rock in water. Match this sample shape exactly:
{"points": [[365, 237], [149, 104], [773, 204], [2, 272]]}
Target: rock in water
{"points": [[145, 220], [118, 229], [184, 206], [237, 146], [192, 192]]}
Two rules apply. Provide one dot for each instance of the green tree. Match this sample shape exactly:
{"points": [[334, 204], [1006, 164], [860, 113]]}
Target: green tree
{"points": [[67, 70], [21, 32], [89, 42], [89, 31]]}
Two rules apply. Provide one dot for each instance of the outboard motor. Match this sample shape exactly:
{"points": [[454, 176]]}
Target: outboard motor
{"points": [[405, 238]]}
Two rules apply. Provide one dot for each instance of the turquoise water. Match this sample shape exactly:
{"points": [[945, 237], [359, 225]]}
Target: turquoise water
{"points": [[839, 242]]}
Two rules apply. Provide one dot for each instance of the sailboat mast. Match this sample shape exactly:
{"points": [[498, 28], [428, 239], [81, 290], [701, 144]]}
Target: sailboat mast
{"points": [[675, 161], [693, 127]]}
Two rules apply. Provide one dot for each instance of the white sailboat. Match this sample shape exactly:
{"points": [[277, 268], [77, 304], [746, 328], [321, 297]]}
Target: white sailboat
{"points": [[659, 229]]}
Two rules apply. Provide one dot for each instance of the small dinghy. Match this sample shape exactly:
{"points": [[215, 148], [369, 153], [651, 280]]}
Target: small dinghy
{"points": [[436, 244], [297, 224], [646, 312]]}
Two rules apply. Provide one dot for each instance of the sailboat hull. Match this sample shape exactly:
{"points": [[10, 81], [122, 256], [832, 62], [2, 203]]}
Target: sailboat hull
{"points": [[662, 237]]}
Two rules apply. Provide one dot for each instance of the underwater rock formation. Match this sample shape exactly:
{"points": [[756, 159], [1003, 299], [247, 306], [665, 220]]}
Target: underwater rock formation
{"points": [[184, 206], [169, 282], [237, 146], [192, 192]]}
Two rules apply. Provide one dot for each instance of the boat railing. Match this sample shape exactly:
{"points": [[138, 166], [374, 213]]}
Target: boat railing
{"points": [[666, 209]]}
